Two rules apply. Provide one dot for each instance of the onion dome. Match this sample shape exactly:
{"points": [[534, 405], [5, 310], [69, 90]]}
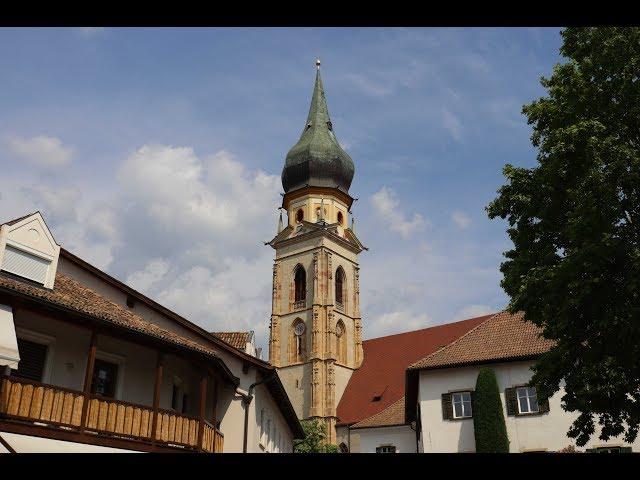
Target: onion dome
{"points": [[317, 159]]}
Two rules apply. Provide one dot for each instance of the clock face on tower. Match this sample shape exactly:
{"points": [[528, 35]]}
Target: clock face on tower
{"points": [[299, 330]]}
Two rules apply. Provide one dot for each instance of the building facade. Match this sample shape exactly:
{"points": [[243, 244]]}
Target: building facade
{"points": [[316, 327], [89, 364], [440, 393]]}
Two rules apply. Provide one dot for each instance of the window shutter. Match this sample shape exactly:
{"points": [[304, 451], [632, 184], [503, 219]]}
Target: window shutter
{"points": [[447, 407], [32, 359], [473, 402], [511, 401], [543, 407]]}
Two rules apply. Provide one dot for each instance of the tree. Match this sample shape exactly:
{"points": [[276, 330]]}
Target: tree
{"points": [[488, 417], [314, 439], [574, 219]]}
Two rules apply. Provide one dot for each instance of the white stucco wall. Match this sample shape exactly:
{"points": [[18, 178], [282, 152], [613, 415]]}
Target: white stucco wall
{"points": [[29, 444], [536, 432], [366, 440]]}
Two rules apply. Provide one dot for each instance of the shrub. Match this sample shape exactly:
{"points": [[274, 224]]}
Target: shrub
{"points": [[488, 416]]}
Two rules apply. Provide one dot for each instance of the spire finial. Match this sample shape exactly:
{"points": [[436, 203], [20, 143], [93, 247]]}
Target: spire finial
{"points": [[318, 63]]}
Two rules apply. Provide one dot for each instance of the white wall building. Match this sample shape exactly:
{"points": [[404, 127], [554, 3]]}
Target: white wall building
{"points": [[440, 386]]}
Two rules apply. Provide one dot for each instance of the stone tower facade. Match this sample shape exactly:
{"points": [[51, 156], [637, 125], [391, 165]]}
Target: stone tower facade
{"points": [[316, 327]]}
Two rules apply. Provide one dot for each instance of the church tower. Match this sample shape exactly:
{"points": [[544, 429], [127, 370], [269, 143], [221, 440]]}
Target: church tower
{"points": [[316, 330]]}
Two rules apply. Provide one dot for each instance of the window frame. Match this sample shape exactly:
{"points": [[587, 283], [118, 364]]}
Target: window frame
{"points": [[42, 339], [462, 402], [118, 360], [380, 448], [528, 397]]}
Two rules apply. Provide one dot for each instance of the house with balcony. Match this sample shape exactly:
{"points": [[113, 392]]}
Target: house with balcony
{"points": [[87, 363]]}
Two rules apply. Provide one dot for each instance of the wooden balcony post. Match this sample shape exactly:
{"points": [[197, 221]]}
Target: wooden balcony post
{"points": [[156, 395], [88, 378], [202, 405], [214, 412]]}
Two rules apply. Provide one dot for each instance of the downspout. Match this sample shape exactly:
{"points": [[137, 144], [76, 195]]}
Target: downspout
{"points": [[246, 401]]}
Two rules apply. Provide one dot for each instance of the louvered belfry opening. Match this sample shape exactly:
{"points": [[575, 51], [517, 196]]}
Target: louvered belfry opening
{"points": [[300, 284]]}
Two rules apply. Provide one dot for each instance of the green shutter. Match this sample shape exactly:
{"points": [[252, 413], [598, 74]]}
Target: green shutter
{"points": [[473, 402], [543, 407], [511, 401], [447, 407]]}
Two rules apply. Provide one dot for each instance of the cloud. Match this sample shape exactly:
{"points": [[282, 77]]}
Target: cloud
{"points": [[461, 219], [472, 311], [42, 150], [153, 272], [59, 205], [397, 321], [386, 205], [452, 124]]}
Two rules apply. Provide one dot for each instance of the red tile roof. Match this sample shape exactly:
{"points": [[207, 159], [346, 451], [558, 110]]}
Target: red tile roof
{"points": [[392, 415], [236, 339], [383, 370], [504, 336]]}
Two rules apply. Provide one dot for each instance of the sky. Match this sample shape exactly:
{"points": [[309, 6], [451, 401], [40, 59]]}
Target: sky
{"points": [[156, 153]]}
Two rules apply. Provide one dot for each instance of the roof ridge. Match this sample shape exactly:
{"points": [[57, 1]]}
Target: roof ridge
{"points": [[489, 315], [451, 344]]}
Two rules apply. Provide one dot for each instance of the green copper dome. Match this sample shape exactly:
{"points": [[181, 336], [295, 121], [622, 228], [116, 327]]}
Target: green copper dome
{"points": [[317, 159]]}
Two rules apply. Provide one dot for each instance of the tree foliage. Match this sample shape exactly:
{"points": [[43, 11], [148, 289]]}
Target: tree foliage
{"points": [[315, 435], [574, 219], [488, 415]]}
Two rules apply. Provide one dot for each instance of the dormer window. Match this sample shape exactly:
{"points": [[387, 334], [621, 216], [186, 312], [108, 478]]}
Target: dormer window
{"points": [[28, 250]]}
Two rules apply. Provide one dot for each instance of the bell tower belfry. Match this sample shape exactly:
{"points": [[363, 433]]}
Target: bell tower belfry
{"points": [[316, 329]]}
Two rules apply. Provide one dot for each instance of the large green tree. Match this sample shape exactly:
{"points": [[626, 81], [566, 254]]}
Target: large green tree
{"points": [[314, 441], [574, 219], [489, 427]]}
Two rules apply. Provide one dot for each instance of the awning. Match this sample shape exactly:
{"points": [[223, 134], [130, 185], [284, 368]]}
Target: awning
{"points": [[8, 342]]}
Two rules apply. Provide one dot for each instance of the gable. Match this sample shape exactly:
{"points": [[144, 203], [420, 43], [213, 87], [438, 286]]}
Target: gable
{"points": [[28, 249]]}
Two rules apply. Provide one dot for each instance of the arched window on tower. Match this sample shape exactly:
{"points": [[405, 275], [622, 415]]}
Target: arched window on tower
{"points": [[298, 341], [341, 343], [300, 285], [340, 288]]}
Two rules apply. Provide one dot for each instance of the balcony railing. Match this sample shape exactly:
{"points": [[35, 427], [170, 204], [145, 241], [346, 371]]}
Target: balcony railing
{"points": [[26, 400], [300, 304]]}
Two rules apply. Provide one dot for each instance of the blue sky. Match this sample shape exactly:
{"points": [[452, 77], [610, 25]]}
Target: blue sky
{"points": [[156, 154]]}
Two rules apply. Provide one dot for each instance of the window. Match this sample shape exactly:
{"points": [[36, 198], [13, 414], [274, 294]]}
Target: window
{"points": [[461, 404], [298, 341], [386, 449], [344, 448], [340, 218], [33, 356], [299, 215], [300, 281], [185, 402], [341, 343], [105, 375], [339, 286], [609, 450], [527, 400]]}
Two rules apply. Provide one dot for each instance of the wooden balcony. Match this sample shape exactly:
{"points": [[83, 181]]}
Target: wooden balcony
{"points": [[39, 403]]}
